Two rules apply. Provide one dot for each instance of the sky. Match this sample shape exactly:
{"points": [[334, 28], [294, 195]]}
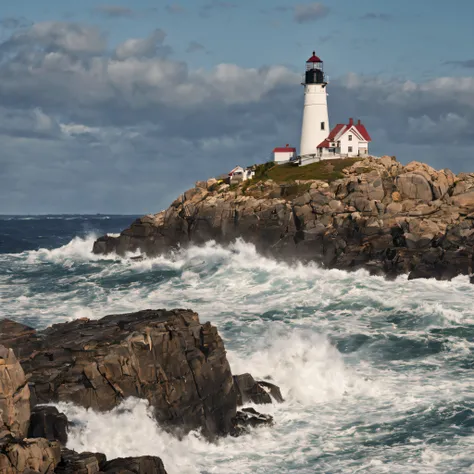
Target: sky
{"points": [[119, 107]]}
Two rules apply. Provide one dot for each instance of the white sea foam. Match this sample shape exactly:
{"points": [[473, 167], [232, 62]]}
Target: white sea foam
{"points": [[213, 279], [310, 372], [328, 406], [357, 357]]}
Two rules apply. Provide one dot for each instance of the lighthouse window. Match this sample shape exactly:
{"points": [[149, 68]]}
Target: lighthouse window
{"points": [[350, 149], [322, 125], [350, 138]]}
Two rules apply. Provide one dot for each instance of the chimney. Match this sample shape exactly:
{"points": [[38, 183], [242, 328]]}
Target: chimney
{"points": [[351, 121], [287, 145], [358, 122]]}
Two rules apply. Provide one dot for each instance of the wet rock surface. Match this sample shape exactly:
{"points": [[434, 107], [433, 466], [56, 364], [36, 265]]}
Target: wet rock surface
{"points": [[96, 463], [142, 465], [167, 357], [382, 216], [80, 463], [259, 392], [248, 418], [47, 422]]}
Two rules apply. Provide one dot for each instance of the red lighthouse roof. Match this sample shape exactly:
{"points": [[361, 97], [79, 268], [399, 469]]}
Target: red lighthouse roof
{"points": [[314, 59]]}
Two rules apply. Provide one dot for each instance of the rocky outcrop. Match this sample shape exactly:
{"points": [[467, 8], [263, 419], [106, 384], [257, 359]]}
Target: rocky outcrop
{"points": [[96, 463], [167, 357], [382, 216], [80, 463], [251, 391], [249, 418], [47, 422], [41, 452], [40, 456], [14, 396], [142, 465], [29, 456]]}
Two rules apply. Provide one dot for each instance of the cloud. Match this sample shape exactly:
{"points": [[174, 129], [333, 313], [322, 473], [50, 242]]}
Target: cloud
{"points": [[113, 11], [11, 23], [175, 9], [143, 47], [32, 123], [468, 63], [57, 37], [194, 47], [377, 16], [309, 12], [216, 5], [127, 132], [277, 9]]}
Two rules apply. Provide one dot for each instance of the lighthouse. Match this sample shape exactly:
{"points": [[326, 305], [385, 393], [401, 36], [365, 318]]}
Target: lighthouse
{"points": [[315, 127]]}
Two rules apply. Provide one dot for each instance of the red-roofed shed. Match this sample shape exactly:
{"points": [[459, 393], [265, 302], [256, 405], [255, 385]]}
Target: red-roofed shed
{"points": [[283, 154]]}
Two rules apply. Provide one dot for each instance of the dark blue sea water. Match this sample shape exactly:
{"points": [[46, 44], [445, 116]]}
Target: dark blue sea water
{"points": [[20, 233], [377, 374]]}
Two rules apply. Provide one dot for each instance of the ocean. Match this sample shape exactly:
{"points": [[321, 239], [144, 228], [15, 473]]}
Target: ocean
{"points": [[376, 374]]}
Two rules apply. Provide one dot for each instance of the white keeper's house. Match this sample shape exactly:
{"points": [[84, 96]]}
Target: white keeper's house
{"points": [[318, 140], [349, 140]]}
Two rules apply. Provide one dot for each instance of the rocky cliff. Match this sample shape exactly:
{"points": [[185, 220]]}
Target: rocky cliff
{"points": [[35, 444], [379, 215], [167, 357]]}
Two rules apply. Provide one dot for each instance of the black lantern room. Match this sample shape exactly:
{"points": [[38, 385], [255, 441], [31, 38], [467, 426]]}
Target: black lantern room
{"points": [[314, 70]]}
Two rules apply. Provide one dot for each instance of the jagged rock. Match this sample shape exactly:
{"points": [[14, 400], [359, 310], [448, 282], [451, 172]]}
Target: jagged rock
{"points": [[41, 452], [167, 357], [80, 463], [249, 418], [249, 391], [418, 241], [141, 465], [96, 463], [346, 223], [14, 395], [47, 422], [29, 456], [272, 389]]}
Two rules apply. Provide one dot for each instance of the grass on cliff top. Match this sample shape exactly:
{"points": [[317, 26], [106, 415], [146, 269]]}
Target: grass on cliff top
{"points": [[327, 170]]}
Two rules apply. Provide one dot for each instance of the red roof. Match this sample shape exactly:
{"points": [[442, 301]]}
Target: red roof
{"points": [[325, 144], [285, 149], [314, 59], [335, 131], [340, 127], [363, 131]]}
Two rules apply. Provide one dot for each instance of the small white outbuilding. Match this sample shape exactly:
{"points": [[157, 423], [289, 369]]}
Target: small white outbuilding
{"points": [[284, 154], [241, 174]]}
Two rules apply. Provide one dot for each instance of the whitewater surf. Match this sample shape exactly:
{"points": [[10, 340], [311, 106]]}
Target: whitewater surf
{"points": [[376, 374]]}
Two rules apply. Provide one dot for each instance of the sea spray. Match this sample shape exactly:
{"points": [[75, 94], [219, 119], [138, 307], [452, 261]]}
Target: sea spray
{"points": [[376, 374]]}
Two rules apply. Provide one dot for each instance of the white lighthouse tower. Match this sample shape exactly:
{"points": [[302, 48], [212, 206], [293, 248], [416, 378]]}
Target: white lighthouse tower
{"points": [[315, 127]]}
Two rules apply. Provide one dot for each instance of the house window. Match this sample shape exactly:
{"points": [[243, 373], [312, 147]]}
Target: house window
{"points": [[350, 138], [323, 125], [350, 149]]}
